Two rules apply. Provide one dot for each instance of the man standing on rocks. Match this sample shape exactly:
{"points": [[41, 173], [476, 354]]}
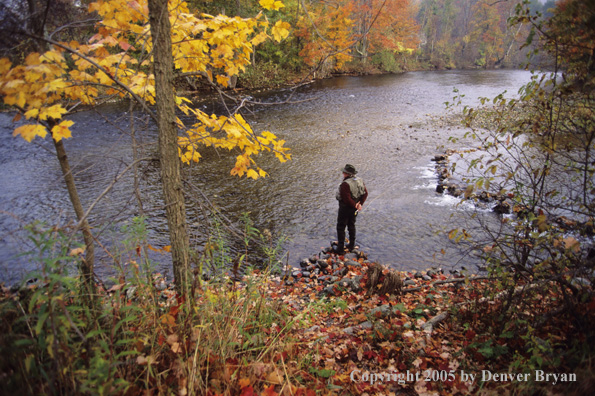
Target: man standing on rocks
{"points": [[351, 195]]}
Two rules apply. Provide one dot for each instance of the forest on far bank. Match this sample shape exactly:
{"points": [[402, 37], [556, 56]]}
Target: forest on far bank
{"points": [[324, 37]]}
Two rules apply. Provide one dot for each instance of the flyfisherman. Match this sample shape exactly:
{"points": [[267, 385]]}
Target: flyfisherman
{"points": [[352, 194]]}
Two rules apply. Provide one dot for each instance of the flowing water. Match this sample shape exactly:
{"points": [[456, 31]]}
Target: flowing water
{"points": [[386, 126]]}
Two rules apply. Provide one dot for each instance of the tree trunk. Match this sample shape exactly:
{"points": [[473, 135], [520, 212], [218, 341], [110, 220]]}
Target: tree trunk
{"points": [[168, 141], [86, 270]]}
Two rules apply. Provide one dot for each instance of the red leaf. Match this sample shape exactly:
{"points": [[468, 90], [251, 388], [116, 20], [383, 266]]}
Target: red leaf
{"points": [[470, 334], [269, 391], [247, 391]]}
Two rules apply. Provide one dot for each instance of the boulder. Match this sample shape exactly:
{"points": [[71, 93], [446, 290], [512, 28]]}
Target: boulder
{"points": [[322, 263], [361, 326], [350, 256], [382, 312], [504, 207], [353, 264], [352, 283]]}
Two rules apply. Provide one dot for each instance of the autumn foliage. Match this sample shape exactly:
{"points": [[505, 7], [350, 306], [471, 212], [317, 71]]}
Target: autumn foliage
{"points": [[115, 63], [335, 33]]}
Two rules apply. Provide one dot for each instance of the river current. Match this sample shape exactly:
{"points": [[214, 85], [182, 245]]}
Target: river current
{"points": [[387, 126]]}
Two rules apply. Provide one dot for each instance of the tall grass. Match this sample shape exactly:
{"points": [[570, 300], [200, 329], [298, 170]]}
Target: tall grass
{"points": [[141, 337]]}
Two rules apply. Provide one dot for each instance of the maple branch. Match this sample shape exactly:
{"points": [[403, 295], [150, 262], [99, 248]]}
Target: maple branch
{"points": [[74, 24], [249, 99], [99, 67], [496, 2], [428, 326], [441, 282]]}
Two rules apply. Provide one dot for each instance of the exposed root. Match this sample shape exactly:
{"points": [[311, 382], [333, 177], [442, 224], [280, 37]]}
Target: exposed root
{"points": [[383, 281]]}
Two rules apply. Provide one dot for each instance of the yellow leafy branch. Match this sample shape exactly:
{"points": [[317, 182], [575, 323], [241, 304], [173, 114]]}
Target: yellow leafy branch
{"points": [[214, 47]]}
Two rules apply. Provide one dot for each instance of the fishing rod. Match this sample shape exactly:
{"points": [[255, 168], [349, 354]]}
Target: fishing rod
{"points": [[372, 201]]}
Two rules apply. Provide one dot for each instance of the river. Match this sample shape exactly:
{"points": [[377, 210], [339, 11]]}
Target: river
{"points": [[386, 126]]}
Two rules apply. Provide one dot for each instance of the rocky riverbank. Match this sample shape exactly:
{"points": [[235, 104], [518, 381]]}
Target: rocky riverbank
{"points": [[337, 325], [500, 203]]}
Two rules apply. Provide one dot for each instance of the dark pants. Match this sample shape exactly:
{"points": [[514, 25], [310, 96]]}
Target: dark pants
{"points": [[346, 218]]}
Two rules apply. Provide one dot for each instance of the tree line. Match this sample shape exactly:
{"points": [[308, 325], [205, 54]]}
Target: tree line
{"points": [[326, 37]]}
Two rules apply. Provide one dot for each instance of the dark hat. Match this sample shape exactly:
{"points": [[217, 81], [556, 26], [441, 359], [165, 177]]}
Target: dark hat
{"points": [[349, 169]]}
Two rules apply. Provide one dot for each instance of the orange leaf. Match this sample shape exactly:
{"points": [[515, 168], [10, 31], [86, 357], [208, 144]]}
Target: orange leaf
{"points": [[572, 244], [244, 382], [164, 250], [168, 319], [77, 251], [125, 46]]}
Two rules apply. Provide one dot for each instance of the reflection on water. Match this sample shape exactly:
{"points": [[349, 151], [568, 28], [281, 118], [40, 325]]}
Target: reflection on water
{"points": [[378, 123]]}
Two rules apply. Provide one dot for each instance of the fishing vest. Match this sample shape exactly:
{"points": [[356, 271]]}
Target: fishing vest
{"points": [[356, 187]]}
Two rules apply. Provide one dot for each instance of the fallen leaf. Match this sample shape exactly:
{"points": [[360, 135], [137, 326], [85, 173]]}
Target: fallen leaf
{"points": [[247, 391], [244, 382], [269, 391], [143, 360], [77, 251], [116, 287], [274, 378]]}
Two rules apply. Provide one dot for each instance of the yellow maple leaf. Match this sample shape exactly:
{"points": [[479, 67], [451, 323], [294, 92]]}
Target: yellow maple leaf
{"points": [[94, 7], [55, 112], [33, 59], [21, 99], [259, 38], [271, 4], [280, 30], [55, 85], [52, 56], [252, 173], [32, 113], [29, 131], [62, 130], [5, 65], [222, 80]]}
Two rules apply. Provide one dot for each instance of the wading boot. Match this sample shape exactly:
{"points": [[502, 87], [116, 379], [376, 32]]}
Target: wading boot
{"points": [[337, 248]]}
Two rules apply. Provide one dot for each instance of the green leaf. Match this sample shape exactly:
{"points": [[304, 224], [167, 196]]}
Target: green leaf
{"points": [[324, 373], [42, 318]]}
